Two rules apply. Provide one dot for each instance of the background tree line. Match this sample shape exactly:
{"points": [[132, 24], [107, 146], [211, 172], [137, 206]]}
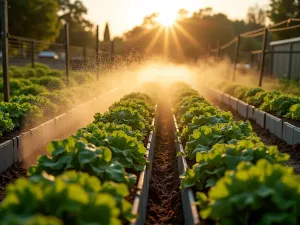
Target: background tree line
{"points": [[192, 38], [203, 30]]}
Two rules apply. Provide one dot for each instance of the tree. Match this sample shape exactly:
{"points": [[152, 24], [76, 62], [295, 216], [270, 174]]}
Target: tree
{"points": [[81, 30], [34, 19], [183, 13], [282, 10], [74, 12], [150, 21], [256, 15]]}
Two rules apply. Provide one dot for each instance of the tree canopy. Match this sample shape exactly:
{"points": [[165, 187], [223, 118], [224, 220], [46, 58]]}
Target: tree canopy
{"points": [[43, 20], [74, 12], [282, 10], [34, 19]]}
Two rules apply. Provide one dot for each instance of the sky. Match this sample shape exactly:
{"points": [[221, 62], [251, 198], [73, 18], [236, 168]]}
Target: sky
{"points": [[123, 15]]}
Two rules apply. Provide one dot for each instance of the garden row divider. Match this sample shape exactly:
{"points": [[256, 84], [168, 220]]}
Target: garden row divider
{"points": [[283, 130], [190, 212], [140, 202], [26, 144]]}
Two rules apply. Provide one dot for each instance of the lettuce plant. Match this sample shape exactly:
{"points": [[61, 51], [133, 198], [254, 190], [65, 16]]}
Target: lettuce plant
{"points": [[261, 194], [211, 165], [204, 138], [206, 119], [128, 116], [6, 124], [73, 198], [72, 154]]}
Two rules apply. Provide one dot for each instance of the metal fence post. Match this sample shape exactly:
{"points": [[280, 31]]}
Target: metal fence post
{"points": [[33, 54], [263, 56], [67, 43], [290, 61], [112, 50], [209, 51], [97, 52], [251, 60], [84, 58], [218, 50], [4, 38], [236, 56]]}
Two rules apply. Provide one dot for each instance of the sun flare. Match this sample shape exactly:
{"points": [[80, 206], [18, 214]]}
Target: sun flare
{"points": [[166, 19]]}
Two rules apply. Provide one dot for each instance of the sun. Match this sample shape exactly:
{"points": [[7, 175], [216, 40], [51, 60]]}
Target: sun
{"points": [[166, 19]]}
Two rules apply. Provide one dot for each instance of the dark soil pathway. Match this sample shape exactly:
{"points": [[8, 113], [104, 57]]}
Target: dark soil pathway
{"points": [[164, 205]]}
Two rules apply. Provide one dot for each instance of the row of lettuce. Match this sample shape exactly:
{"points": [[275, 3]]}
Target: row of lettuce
{"points": [[39, 94], [26, 111], [42, 79], [238, 179], [88, 177], [285, 105]]}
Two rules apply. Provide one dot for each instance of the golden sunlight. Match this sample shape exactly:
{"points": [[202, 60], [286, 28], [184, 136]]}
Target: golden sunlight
{"points": [[167, 19]]}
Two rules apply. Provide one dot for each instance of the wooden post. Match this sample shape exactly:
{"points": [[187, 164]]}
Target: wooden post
{"points": [[237, 48], [67, 43], [97, 52], [4, 38], [263, 56]]}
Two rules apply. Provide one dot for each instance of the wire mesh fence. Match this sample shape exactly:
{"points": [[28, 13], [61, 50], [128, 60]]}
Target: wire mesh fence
{"points": [[266, 60], [28, 52], [63, 57]]}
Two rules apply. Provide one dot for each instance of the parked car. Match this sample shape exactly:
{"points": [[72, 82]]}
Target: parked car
{"points": [[48, 55]]}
